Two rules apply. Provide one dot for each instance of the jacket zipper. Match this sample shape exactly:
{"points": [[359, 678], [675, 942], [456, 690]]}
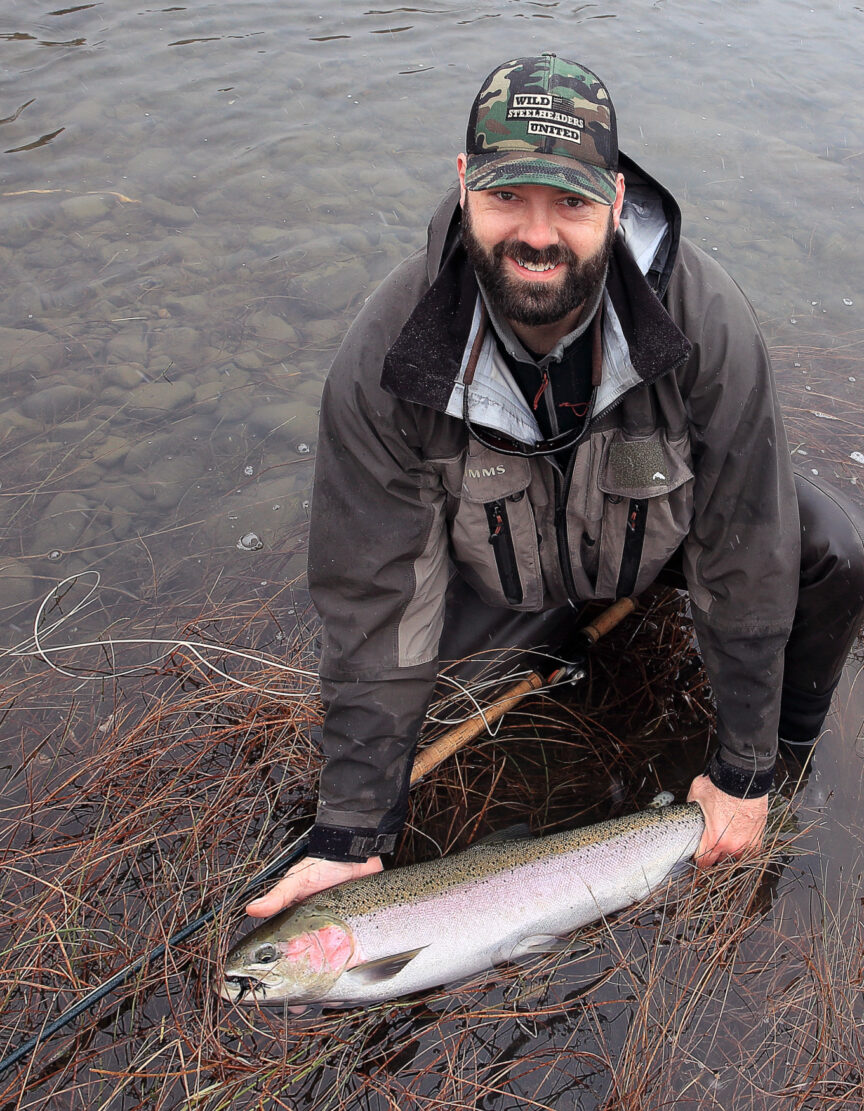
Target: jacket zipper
{"points": [[501, 539], [562, 489]]}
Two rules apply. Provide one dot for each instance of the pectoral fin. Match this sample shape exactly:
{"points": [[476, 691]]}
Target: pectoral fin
{"points": [[384, 968]]}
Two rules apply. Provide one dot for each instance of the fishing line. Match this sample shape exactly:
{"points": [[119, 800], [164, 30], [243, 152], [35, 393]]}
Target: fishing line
{"points": [[283, 861], [34, 646]]}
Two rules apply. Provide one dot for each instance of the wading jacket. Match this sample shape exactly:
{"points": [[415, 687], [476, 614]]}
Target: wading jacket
{"points": [[684, 449]]}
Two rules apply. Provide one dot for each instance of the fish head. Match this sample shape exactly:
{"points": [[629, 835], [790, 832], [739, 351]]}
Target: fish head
{"points": [[294, 957]]}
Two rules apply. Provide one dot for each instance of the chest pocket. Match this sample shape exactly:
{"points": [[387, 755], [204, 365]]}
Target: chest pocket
{"points": [[648, 509], [493, 532]]}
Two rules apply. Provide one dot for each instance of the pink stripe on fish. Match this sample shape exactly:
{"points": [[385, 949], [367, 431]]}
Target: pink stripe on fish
{"points": [[326, 950]]}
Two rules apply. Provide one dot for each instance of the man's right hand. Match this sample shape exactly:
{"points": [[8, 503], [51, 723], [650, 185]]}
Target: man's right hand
{"points": [[306, 877]]}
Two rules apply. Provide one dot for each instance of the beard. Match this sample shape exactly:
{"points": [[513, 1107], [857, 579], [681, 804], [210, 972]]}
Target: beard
{"points": [[535, 303]]}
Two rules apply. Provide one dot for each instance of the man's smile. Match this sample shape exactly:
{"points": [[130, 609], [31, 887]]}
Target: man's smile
{"points": [[534, 270]]}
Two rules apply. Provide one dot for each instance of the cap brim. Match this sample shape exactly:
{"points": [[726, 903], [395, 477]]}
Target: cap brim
{"points": [[496, 170]]}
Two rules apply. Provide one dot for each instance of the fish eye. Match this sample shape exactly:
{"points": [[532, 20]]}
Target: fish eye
{"points": [[265, 954]]}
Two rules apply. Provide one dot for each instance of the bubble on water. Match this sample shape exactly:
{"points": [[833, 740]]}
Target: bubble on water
{"points": [[857, 456], [250, 542], [55, 554], [249, 469], [303, 449]]}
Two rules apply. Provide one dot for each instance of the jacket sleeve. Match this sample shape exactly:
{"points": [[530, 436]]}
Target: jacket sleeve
{"points": [[742, 556], [378, 571]]}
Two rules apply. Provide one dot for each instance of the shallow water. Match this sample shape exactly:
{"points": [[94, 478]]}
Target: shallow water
{"points": [[195, 200]]}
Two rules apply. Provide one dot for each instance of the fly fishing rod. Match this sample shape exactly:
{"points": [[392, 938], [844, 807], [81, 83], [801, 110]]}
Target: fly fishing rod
{"points": [[427, 759]]}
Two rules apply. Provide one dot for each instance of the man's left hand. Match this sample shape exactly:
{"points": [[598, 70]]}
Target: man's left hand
{"points": [[733, 827]]}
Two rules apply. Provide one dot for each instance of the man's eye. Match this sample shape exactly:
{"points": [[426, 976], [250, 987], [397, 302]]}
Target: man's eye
{"points": [[574, 202]]}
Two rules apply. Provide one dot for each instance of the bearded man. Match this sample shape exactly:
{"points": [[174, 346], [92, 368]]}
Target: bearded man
{"points": [[557, 401]]}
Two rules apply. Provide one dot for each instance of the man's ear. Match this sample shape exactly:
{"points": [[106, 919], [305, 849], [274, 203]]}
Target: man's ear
{"points": [[619, 200], [461, 165]]}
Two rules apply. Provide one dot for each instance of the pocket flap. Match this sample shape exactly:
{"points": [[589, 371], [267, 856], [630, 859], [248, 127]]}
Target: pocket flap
{"points": [[489, 475], [642, 468]]}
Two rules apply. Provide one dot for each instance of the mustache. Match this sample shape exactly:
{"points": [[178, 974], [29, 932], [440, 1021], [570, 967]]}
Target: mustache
{"points": [[539, 257], [544, 256]]}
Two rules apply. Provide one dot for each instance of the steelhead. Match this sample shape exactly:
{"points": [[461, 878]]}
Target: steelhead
{"points": [[417, 927]]}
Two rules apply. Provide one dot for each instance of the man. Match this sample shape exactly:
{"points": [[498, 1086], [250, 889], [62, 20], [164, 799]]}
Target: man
{"points": [[561, 398]]}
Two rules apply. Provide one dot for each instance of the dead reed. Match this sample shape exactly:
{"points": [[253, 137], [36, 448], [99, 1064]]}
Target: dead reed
{"points": [[140, 802]]}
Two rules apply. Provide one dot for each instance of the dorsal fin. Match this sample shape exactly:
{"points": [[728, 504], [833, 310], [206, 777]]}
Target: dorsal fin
{"points": [[519, 832]]}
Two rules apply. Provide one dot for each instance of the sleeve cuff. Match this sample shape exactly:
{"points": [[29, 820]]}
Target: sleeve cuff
{"points": [[349, 845], [738, 782]]}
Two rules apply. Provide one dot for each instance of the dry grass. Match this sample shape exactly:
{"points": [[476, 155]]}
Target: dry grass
{"points": [[148, 800]]}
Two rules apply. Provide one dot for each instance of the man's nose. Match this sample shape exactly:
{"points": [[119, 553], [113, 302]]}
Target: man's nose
{"points": [[537, 227]]}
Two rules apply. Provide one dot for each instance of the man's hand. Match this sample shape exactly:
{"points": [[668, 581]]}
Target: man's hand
{"points": [[733, 827], [306, 877]]}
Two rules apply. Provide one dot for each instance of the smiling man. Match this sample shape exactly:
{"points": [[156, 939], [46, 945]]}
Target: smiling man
{"points": [[559, 400]]}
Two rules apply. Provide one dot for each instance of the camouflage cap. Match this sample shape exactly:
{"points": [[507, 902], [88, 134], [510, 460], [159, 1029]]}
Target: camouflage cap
{"points": [[543, 121]]}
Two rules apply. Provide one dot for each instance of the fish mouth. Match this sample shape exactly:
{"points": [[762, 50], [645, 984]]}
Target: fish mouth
{"points": [[235, 987]]}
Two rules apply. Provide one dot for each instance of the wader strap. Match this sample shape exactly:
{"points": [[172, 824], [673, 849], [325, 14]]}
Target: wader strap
{"points": [[597, 347], [474, 357]]}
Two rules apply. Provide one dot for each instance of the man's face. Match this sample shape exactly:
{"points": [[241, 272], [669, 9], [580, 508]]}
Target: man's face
{"points": [[539, 252]]}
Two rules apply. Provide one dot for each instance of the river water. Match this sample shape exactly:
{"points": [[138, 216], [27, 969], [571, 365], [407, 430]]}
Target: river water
{"points": [[196, 199]]}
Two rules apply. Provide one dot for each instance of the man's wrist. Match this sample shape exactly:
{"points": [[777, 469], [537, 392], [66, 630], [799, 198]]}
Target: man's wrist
{"points": [[347, 844], [741, 783]]}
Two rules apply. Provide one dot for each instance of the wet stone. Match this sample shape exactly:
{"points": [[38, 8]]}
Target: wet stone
{"points": [[142, 455], [62, 524], [72, 432], [331, 288], [14, 423], [268, 326], [111, 451], [291, 424], [128, 347], [248, 360], [85, 209], [54, 403], [17, 584], [27, 352], [127, 375], [310, 390], [164, 212], [179, 344], [156, 398]]}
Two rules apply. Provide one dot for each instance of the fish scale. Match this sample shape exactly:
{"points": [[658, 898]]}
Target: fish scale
{"points": [[427, 924]]}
